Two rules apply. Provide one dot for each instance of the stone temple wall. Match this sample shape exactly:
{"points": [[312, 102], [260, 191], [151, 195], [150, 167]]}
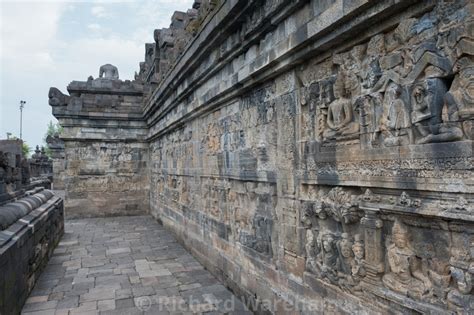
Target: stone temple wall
{"points": [[315, 155]]}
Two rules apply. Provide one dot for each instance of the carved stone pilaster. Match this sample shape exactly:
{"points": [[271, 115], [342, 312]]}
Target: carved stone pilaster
{"points": [[373, 247]]}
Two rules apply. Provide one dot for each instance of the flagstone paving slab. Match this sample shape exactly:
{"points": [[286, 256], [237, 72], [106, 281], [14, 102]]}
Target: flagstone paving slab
{"points": [[126, 265]]}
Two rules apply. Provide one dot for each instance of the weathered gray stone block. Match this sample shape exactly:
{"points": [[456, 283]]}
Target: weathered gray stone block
{"points": [[30, 229]]}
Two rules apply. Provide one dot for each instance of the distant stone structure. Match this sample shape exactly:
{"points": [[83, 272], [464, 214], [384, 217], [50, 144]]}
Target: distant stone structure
{"points": [[40, 164], [314, 155]]}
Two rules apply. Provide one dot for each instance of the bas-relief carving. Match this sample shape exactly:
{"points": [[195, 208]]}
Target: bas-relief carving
{"points": [[339, 121], [404, 275], [413, 85], [460, 98], [356, 255], [331, 253], [461, 298]]}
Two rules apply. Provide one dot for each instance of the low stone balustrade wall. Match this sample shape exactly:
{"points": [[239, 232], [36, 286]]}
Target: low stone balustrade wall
{"points": [[30, 229]]}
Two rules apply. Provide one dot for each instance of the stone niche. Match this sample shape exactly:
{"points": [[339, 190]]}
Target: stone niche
{"points": [[316, 156]]}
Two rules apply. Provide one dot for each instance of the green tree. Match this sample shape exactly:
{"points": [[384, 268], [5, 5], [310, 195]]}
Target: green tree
{"points": [[25, 149], [52, 129]]}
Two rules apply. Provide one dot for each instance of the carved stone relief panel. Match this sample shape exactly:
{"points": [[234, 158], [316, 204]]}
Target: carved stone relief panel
{"points": [[372, 244], [409, 86]]}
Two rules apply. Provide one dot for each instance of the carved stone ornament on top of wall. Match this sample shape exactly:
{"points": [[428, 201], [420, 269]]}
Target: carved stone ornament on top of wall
{"points": [[108, 72], [57, 98]]}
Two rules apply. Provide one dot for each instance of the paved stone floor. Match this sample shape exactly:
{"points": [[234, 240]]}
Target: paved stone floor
{"points": [[126, 265]]}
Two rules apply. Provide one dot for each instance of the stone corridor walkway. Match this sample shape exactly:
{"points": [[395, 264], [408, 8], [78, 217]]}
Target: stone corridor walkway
{"points": [[126, 265]]}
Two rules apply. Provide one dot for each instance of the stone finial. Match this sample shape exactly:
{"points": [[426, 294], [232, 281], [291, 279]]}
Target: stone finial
{"points": [[109, 72]]}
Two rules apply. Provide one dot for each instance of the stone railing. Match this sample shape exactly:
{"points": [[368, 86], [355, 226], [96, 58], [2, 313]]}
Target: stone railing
{"points": [[30, 229]]}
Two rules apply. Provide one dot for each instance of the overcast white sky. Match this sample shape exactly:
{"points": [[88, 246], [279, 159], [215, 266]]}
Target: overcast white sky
{"points": [[51, 43]]}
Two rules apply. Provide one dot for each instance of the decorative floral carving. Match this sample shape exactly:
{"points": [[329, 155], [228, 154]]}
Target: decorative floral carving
{"points": [[340, 205], [406, 201]]}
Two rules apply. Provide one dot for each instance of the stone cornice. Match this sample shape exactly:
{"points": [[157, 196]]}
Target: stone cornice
{"points": [[333, 26]]}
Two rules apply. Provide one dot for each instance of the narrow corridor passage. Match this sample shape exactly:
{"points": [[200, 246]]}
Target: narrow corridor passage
{"points": [[126, 265]]}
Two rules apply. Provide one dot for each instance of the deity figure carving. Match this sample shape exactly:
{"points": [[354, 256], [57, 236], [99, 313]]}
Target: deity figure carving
{"points": [[395, 125], [460, 98], [369, 108], [440, 131], [330, 259], [339, 120], [312, 246], [357, 267], [421, 114], [345, 249], [405, 275], [461, 297], [109, 72], [344, 273]]}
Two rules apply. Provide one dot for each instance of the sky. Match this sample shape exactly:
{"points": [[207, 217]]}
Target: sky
{"points": [[51, 43]]}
